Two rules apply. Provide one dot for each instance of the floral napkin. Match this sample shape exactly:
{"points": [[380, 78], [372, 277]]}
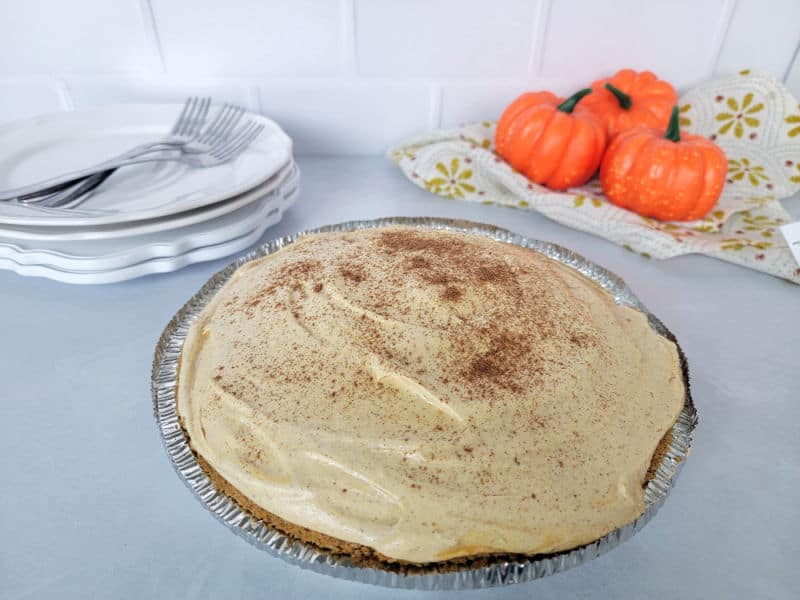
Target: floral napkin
{"points": [[752, 116]]}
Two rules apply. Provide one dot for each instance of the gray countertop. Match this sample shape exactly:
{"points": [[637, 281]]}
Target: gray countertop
{"points": [[91, 508]]}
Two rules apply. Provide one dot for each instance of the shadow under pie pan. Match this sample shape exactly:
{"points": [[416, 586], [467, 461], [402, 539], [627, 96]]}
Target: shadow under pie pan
{"points": [[463, 574]]}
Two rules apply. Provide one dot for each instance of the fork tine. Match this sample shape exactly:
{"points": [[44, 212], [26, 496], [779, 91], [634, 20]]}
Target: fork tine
{"points": [[197, 125], [234, 120], [199, 117], [246, 142], [242, 141], [227, 129], [191, 118], [184, 113], [224, 127], [230, 129], [222, 145], [215, 124], [223, 131]]}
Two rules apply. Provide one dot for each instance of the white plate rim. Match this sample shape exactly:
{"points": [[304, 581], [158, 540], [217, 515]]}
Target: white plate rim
{"points": [[149, 267], [184, 219], [188, 240]]}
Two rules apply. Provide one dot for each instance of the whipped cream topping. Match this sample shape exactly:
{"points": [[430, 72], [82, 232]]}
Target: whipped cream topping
{"points": [[430, 395]]}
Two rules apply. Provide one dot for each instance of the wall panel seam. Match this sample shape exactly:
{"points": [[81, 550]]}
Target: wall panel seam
{"points": [[792, 62], [152, 31], [539, 34], [724, 27]]}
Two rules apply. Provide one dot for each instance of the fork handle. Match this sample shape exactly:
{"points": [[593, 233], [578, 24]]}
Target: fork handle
{"points": [[132, 153], [73, 177], [25, 198], [74, 195]]}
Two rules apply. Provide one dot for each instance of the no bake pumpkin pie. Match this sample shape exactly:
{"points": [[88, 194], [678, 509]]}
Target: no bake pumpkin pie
{"points": [[412, 396]]}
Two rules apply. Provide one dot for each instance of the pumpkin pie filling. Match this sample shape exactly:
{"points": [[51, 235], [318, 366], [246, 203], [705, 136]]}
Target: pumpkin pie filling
{"points": [[428, 395]]}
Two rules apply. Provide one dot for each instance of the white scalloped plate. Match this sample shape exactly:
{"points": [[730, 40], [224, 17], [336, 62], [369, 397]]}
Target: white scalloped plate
{"points": [[51, 236], [165, 257]]}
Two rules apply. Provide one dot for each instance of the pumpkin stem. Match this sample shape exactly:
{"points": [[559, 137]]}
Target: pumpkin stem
{"points": [[623, 98], [673, 132], [568, 105]]}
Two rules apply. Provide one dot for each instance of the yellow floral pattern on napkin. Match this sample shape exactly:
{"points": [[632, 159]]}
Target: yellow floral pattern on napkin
{"points": [[752, 116]]}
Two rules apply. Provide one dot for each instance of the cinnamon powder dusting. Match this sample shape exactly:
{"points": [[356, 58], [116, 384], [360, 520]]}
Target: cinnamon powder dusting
{"points": [[506, 351], [499, 345], [452, 294], [503, 351], [413, 241], [353, 272], [290, 275]]}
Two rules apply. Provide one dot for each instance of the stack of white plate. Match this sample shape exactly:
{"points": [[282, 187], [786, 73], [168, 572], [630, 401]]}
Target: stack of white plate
{"points": [[149, 218]]}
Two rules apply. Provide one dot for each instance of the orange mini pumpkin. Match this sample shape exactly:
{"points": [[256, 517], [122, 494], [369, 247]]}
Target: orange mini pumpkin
{"points": [[664, 175], [551, 140], [629, 99]]}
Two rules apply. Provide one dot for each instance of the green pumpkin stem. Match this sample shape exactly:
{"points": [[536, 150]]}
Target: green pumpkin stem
{"points": [[673, 132], [623, 98], [568, 105]]}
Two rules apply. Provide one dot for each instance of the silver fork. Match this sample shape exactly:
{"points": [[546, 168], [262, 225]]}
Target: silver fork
{"points": [[223, 148], [187, 127], [220, 129], [198, 141]]}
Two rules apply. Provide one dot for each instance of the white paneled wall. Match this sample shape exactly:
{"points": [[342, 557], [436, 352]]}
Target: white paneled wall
{"points": [[444, 38], [353, 76], [260, 38]]}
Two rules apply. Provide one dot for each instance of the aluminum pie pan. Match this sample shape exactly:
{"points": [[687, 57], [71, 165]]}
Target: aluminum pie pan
{"points": [[309, 556]]}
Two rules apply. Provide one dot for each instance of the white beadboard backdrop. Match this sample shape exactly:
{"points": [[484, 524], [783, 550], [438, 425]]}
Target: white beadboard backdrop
{"points": [[354, 76]]}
